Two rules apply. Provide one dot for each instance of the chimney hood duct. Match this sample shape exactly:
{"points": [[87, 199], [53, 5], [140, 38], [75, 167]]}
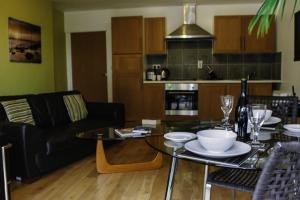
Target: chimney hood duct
{"points": [[189, 29]]}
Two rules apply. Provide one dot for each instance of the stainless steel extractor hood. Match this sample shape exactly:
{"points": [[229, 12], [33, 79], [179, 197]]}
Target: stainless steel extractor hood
{"points": [[189, 29]]}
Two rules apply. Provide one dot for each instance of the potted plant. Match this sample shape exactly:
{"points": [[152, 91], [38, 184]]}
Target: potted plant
{"points": [[266, 13]]}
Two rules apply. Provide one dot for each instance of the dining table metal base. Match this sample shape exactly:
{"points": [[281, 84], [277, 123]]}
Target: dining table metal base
{"points": [[172, 171]]}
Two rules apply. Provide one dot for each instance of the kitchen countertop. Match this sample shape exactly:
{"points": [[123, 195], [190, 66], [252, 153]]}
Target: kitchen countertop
{"points": [[213, 81]]}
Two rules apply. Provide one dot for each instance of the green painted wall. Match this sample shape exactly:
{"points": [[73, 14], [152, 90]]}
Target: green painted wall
{"points": [[23, 78], [60, 69]]}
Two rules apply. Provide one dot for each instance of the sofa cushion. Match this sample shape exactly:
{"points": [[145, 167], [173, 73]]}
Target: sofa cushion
{"points": [[39, 110], [18, 111], [76, 107], [59, 139], [56, 107]]}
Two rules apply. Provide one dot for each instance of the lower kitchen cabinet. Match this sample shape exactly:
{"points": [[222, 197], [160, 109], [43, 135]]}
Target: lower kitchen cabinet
{"points": [[209, 101], [153, 101], [209, 97]]}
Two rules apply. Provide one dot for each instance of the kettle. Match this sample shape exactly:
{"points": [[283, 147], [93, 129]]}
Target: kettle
{"points": [[164, 73]]}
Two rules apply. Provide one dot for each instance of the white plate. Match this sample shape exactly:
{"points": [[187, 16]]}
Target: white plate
{"points": [[180, 136], [293, 134], [238, 148], [272, 120], [174, 145], [292, 127]]}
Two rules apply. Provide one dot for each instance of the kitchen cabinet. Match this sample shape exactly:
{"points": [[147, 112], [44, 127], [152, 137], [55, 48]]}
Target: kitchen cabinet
{"points": [[153, 101], [127, 35], [260, 89], [209, 101], [209, 97], [231, 36], [155, 31], [127, 84]]}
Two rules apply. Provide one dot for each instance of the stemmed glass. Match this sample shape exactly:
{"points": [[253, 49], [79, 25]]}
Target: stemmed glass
{"points": [[226, 106], [256, 116]]}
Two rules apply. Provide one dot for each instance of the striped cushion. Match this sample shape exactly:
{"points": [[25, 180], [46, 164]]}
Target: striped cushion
{"points": [[76, 107], [18, 111]]}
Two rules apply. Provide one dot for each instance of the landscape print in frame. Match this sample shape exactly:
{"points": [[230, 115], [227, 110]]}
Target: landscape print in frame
{"points": [[24, 41]]}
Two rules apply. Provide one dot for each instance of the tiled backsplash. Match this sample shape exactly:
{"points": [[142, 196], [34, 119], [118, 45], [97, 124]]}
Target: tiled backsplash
{"points": [[182, 58]]}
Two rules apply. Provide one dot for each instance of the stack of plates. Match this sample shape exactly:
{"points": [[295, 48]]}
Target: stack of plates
{"points": [[272, 120], [180, 136]]}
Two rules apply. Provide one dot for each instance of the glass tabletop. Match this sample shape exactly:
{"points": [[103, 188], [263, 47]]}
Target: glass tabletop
{"points": [[255, 159]]}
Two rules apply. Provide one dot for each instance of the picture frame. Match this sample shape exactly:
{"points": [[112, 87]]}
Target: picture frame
{"points": [[24, 41], [297, 37]]}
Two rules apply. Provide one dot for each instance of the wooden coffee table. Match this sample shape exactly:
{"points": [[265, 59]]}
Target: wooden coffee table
{"points": [[103, 165]]}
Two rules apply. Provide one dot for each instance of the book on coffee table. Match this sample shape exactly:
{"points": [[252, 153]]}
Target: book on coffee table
{"points": [[138, 131]]}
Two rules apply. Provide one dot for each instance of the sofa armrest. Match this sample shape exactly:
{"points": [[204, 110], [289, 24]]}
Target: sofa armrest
{"points": [[106, 111], [27, 141]]}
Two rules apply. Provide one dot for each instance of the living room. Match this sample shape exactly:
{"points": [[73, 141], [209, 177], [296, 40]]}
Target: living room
{"points": [[134, 96]]}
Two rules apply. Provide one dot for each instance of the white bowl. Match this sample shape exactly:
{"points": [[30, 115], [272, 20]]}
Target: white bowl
{"points": [[216, 140], [268, 115]]}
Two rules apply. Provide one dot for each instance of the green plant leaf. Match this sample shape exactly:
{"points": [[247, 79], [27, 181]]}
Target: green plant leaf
{"points": [[266, 13]]}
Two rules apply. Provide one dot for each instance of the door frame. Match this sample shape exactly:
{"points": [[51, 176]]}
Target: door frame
{"points": [[108, 61]]}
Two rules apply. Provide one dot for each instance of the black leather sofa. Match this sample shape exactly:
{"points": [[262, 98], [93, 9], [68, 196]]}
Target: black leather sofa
{"points": [[51, 143]]}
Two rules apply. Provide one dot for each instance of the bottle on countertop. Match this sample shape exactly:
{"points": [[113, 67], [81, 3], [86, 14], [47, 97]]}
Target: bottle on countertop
{"points": [[157, 69], [241, 116]]}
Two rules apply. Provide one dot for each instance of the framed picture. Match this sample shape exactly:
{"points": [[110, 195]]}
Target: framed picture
{"points": [[24, 41], [297, 37]]}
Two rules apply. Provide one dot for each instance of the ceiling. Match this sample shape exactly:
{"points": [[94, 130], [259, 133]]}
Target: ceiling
{"points": [[76, 5]]}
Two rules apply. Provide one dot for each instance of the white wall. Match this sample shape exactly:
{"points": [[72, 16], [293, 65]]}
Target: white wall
{"points": [[100, 20], [290, 70]]}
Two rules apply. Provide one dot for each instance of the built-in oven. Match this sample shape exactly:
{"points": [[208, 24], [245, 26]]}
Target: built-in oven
{"points": [[181, 99]]}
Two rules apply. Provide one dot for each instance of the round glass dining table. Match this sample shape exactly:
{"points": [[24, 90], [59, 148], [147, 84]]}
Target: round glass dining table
{"points": [[254, 159]]}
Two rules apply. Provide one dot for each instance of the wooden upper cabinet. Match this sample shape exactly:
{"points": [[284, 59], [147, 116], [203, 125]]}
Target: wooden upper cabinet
{"points": [[155, 31], [127, 35], [231, 36], [254, 44], [228, 34]]}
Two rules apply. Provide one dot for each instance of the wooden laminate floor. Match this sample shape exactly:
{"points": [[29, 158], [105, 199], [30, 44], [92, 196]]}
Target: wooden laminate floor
{"points": [[80, 181]]}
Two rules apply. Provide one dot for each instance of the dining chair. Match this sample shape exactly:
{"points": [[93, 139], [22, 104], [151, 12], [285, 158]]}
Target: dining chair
{"points": [[280, 177], [284, 107]]}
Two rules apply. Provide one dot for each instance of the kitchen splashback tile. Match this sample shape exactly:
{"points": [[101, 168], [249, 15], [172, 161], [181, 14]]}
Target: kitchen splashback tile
{"points": [[175, 56], [235, 72], [276, 72], [264, 71], [250, 58], [235, 59], [190, 45], [220, 71], [205, 44], [219, 59], [189, 56], [189, 72]]}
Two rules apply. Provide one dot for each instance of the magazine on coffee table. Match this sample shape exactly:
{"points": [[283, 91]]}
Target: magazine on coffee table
{"points": [[138, 131]]}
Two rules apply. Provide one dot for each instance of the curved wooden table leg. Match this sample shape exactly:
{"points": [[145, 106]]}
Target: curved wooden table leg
{"points": [[104, 167]]}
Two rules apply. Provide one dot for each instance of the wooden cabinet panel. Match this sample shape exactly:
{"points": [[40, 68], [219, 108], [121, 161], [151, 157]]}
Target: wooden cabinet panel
{"points": [[252, 44], [260, 89], [127, 85], [231, 33], [234, 89], [209, 101], [228, 34], [127, 35], [153, 101], [155, 35]]}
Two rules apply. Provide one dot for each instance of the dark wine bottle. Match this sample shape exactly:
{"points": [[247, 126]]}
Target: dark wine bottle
{"points": [[241, 116]]}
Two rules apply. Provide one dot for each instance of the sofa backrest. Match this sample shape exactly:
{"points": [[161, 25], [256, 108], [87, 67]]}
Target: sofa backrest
{"points": [[48, 109], [56, 107]]}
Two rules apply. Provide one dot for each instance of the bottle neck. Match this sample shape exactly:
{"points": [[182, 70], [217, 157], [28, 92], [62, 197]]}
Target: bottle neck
{"points": [[244, 88]]}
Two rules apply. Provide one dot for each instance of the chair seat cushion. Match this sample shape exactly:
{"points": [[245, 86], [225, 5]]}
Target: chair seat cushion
{"points": [[237, 179]]}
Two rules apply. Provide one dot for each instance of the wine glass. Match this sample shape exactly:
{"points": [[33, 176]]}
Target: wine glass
{"points": [[226, 106], [256, 116]]}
